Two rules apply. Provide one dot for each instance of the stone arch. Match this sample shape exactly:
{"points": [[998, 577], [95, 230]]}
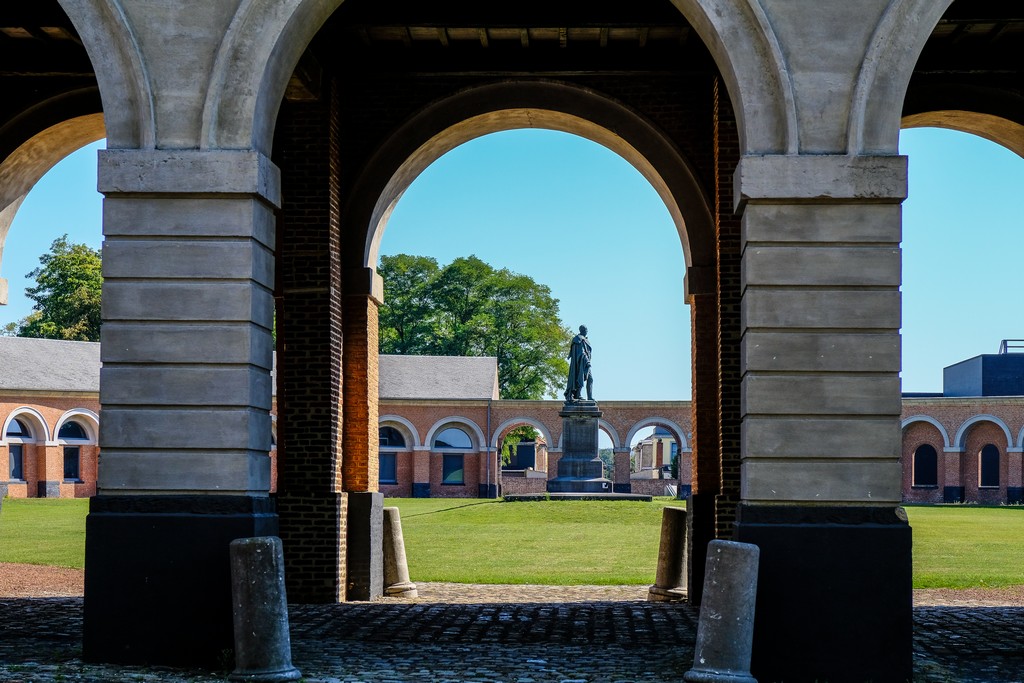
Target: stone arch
{"points": [[932, 421], [22, 167], [514, 421], [408, 427], [87, 419], [552, 105], [266, 38], [37, 423], [1002, 131], [895, 47], [677, 431], [110, 42], [747, 52], [960, 440], [457, 421]]}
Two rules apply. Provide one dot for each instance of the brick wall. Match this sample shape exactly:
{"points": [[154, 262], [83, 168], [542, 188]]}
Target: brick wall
{"points": [[727, 226], [309, 345], [46, 463]]}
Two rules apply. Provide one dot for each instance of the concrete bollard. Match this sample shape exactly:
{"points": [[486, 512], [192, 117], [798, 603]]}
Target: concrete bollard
{"points": [[725, 631], [396, 568], [670, 583], [263, 648]]}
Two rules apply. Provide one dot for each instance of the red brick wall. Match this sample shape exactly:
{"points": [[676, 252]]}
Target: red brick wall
{"points": [[46, 463]]}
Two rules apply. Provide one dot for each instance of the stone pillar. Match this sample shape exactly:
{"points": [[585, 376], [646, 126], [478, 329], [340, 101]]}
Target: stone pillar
{"points": [[705, 456], [953, 486], [311, 500], [821, 415], [421, 473], [670, 581], [50, 470], [364, 290], [188, 311], [621, 459]]}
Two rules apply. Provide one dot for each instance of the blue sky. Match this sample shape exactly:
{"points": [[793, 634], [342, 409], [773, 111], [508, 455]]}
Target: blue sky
{"points": [[578, 218]]}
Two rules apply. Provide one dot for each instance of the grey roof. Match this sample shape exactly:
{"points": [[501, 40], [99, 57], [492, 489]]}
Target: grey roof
{"points": [[438, 377], [49, 365]]}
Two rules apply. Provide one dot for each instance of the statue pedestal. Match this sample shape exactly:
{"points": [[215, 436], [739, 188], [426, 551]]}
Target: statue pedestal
{"points": [[580, 469]]}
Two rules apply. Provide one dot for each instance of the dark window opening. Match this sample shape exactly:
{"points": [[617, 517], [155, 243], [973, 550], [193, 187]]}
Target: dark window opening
{"points": [[453, 437], [452, 469], [388, 469], [989, 475], [926, 466], [71, 462], [389, 436], [72, 430], [17, 429], [16, 456]]}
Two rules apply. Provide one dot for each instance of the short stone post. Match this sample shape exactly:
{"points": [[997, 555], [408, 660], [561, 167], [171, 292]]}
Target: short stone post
{"points": [[725, 631], [396, 568], [670, 583], [263, 648]]}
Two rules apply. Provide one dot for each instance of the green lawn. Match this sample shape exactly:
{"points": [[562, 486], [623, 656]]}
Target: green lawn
{"points": [[563, 542], [46, 531], [566, 542], [967, 546]]}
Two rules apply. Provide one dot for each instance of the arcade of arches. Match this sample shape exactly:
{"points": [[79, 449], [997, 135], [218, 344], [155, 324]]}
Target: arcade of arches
{"points": [[255, 149]]}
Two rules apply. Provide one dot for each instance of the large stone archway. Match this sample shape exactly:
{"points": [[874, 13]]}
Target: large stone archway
{"points": [[795, 303]]}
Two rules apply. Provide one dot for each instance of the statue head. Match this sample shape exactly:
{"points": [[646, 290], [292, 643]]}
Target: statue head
{"points": [[583, 330]]}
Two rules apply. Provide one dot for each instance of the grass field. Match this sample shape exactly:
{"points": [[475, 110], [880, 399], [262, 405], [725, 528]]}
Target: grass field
{"points": [[46, 531], [484, 541]]}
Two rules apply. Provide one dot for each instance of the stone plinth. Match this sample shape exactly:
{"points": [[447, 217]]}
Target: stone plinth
{"points": [[580, 469]]}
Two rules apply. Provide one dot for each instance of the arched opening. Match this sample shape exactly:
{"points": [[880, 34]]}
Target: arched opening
{"points": [[385, 131]]}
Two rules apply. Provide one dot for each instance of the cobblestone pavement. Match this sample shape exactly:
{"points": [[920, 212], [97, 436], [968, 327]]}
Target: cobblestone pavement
{"points": [[547, 635]]}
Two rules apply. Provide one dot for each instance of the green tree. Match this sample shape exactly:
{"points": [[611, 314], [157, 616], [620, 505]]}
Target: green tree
{"points": [[405, 318], [468, 308], [67, 294]]}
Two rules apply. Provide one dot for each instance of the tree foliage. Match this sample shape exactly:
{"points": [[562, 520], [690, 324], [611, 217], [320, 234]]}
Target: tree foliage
{"points": [[66, 296], [469, 308]]}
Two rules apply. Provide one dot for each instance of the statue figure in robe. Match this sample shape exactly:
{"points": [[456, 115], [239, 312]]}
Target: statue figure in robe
{"points": [[579, 368]]}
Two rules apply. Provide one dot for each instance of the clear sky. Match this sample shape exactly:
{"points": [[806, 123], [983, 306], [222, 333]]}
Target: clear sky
{"points": [[578, 218]]}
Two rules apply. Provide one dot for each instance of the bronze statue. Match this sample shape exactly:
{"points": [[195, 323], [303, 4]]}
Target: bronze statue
{"points": [[579, 368]]}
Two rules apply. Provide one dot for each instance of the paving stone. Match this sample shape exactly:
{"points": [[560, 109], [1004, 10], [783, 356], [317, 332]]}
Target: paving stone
{"points": [[584, 641]]}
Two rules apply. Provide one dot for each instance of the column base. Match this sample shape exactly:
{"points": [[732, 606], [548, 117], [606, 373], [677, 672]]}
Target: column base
{"points": [[953, 494], [158, 576], [421, 490], [700, 530], [365, 552], [657, 594], [834, 599]]}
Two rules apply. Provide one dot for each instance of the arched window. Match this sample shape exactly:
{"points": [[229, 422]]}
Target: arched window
{"points": [[18, 429], [453, 437], [391, 438], [926, 466], [988, 466], [72, 430]]}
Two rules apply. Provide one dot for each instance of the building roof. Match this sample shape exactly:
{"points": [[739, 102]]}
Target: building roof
{"points": [[442, 377], [49, 365]]}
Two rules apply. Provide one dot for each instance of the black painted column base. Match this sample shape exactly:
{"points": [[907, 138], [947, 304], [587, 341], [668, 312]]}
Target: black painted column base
{"points": [[487, 490], [158, 577], [834, 599], [700, 530], [421, 490], [365, 551], [622, 488], [1014, 495], [952, 494]]}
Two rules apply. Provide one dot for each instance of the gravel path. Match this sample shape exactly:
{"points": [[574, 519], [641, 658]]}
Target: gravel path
{"points": [[23, 580]]}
